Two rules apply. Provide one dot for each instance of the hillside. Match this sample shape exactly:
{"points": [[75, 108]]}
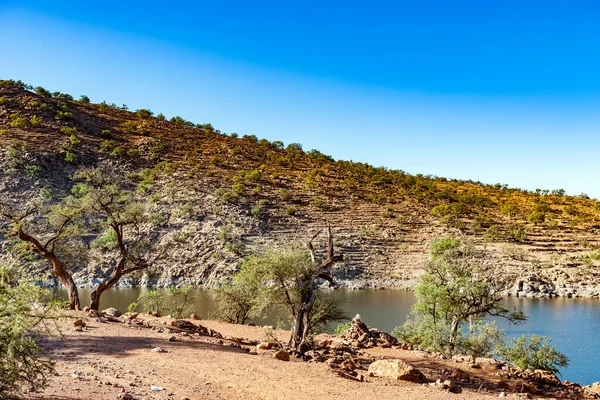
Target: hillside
{"points": [[219, 196]]}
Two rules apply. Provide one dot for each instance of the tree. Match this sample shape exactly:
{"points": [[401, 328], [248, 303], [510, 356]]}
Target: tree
{"points": [[52, 232], [534, 352], [285, 278], [120, 211], [21, 320], [455, 290]]}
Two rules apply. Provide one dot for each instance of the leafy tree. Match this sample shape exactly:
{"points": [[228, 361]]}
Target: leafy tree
{"points": [[151, 301], [286, 279], [121, 211], [21, 321], [455, 290], [51, 231]]}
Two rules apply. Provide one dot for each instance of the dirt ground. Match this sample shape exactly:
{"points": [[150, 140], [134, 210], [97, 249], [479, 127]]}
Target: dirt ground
{"points": [[114, 360]]}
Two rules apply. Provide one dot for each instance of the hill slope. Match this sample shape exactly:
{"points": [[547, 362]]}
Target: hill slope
{"points": [[220, 197]]}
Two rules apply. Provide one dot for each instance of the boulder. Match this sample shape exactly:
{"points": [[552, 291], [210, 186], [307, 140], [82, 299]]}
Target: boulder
{"points": [[79, 323], [86, 309], [265, 346], [282, 355], [396, 369], [113, 312]]}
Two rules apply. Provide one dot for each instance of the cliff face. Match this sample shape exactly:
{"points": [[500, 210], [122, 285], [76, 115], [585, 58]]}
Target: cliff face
{"points": [[217, 197]]}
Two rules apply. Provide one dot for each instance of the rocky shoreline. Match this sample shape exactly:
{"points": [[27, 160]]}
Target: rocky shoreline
{"points": [[527, 287]]}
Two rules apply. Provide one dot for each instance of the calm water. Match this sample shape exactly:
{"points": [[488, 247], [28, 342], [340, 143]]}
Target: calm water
{"points": [[573, 324]]}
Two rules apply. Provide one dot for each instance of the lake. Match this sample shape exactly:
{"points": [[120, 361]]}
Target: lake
{"points": [[573, 324]]}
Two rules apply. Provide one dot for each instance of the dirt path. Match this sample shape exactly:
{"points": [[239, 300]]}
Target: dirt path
{"points": [[107, 360]]}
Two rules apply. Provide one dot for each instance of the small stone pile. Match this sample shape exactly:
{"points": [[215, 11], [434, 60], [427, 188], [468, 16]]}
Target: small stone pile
{"points": [[361, 336]]}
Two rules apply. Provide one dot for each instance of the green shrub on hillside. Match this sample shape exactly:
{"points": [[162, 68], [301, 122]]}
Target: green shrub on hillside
{"points": [[533, 352]]}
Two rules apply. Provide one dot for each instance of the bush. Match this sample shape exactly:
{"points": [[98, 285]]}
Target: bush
{"points": [[128, 127], [291, 210], [105, 133], [536, 217], [70, 157], [3, 100], [43, 92], [84, 99], [63, 115], [16, 121], [21, 318], [284, 194], [144, 113], [151, 301], [341, 329], [517, 232], [36, 121], [533, 352], [182, 301]]}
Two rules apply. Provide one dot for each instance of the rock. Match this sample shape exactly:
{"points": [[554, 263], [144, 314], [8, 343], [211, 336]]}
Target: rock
{"points": [[396, 369], [595, 387], [113, 312], [159, 350], [126, 396], [172, 339], [265, 346], [79, 323], [549, 378], [460, 374], [194, 317], [251, 324], [282, 355], [86, 309], [488, 364], [131, 315], [455, 389]]}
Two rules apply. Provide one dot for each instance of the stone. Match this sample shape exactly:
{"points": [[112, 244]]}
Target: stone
{"points": [[79, 323], [113, 312], [158, 350], [194, 317], [396, 369], [126, 396], [455, 389], [86, 309], [172, 338], [460, 374], [488, 364], [265, 346], [282, 355]]}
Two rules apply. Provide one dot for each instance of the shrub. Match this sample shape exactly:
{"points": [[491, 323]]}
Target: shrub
{"points": [[144, 113], [291, 210], [3, 100], [128, 127], [570, 210], [105, 133], [63, 115], [342, 328], [36, 121], [250, 138], [32, 171], [43, 92], [104, 108], [534, 352], [133, 153], [84, 99], [16, 121], [34, 104], [70, 157], [517, 232], [182, 301], [284, 194], [388, 213], [21, 320], [67, 130], [255, 211], [151, 301], [118, 151], [536, 217]]}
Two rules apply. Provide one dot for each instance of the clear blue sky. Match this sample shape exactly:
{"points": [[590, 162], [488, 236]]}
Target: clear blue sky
{"points": [[504, 91]]}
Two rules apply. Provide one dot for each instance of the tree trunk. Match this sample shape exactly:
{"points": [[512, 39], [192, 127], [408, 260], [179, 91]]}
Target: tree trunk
{"points": [[453, 334], [67, 280], [107, 283], [302, 323]]}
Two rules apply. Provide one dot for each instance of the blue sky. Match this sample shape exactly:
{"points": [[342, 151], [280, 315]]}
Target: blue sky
{"points": [[503, 92]]}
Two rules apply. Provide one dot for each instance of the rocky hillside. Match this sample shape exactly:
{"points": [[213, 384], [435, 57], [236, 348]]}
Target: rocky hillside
{"points": [[217, 197]]}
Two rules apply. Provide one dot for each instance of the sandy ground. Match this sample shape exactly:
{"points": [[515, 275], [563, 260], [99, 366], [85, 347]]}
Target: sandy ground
{"points": [[107, 360]]}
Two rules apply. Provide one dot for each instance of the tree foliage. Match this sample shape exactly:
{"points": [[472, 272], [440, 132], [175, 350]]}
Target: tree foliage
{"points": [[454, 290], [533, 352], [22, 319]]}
